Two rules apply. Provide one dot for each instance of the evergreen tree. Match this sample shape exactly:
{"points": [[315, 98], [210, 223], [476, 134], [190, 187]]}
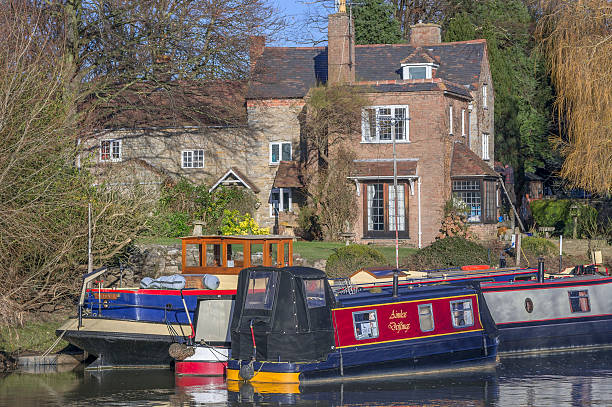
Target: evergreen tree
{"points": [[522, 92], [374, 23]]}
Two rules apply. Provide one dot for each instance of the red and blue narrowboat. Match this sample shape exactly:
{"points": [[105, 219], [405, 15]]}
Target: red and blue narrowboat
{"points": [[135, 326], [567, 312], [288, 327]]}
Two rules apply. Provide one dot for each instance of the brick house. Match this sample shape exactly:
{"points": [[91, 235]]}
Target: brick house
{"points": [[436, 99]]}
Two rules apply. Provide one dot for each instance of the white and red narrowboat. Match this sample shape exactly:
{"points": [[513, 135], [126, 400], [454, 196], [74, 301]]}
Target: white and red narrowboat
{"points": [[288, 327], [552, 313], [135, 326]]}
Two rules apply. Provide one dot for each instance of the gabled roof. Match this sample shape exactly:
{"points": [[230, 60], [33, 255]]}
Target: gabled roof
{"points": [[465, 163], [234, 177], [173, 104], [418, 56], [290, 72], [288, 175]]}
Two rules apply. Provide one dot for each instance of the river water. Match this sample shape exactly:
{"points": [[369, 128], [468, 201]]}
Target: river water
{"points": [[562, 379]]}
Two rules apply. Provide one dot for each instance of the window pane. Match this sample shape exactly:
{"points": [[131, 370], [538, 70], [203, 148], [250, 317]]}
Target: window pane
{"points": [[401, 218], [213, 255], [187, 159], [462, 313], [256, 254], [273, 254], [193, 255], [116, 145], [105, 150], [235, 255], [469, 192], [275, 153], [376, 210], [315, 293], [579, 301], [286, 152], [490, 201], [384, 123], [365, 324], [198, 159], [261, 290], [400, 123], [426, 321], [286, 199], [417, 72]]}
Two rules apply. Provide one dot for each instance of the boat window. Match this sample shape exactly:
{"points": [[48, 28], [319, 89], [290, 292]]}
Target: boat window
{"points": [[365, 324], [257, 254], [315, 293], [235, 255], [579, 301], [261, 290], [213, 255], [426, 321], [286, 253], [273, 248], [461, 311], [193, 255]]}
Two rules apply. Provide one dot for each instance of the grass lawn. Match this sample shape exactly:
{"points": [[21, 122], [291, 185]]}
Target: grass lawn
{"points": [[312, 251], [34, 336]]}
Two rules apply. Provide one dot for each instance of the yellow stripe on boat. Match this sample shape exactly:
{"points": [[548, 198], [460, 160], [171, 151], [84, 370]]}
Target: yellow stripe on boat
{"points": [[266, 377]]}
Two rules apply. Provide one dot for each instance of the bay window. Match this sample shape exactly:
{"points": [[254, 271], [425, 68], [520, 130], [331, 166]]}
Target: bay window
{"points": [[380, 124], [480, 196]]}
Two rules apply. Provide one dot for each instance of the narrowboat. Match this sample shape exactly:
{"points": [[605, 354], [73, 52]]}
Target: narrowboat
{"points": [[135, 326], [289, 327], [551, 313]]}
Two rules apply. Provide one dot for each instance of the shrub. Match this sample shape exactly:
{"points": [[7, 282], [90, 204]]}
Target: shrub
{"points": [[348, 259], [558, 214], [449, 252], [234, 223], [309, 223], [538, 246], [455, 219]]}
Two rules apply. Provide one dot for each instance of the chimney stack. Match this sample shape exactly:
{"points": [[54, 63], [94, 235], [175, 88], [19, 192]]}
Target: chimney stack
{"points": [[341, 47], [424, 34], [257, 43]]}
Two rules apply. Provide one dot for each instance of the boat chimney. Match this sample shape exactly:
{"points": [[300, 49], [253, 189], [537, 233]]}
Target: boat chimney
{"points": [[540, 270]]}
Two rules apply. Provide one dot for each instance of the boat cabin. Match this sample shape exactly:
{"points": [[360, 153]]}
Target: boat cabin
{"points": [[230, 254], [286, 313]]}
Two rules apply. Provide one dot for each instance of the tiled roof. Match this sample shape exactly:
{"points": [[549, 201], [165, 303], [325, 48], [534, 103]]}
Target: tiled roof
{"points": [[418, 85], [382, 169], [418, 56], [288, 175], [178, 103], [466, 163], [291, 72]]}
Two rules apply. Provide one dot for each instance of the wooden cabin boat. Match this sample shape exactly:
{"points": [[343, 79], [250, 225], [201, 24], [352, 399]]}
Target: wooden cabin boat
{"points": [[288, 327], [569, 312], [135, 326]]}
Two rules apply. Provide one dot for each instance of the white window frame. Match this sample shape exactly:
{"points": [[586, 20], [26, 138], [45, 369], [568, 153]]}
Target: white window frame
{"points": [[280, 151], [463, 122], [450, 119], [484, 96], [366, 137], [406, 70], [485, 146], [185, 164], [112, 156], [281, 200]]}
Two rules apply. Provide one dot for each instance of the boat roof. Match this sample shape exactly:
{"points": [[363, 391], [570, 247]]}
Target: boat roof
{"points": [[381, 295], [241, 237]]}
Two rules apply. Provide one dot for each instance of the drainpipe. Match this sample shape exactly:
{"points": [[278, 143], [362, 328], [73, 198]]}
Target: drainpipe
{"points": [[419, 202]]}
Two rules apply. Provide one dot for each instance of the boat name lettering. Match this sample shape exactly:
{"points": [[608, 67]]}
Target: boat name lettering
{"points": [[398, 327], [398, 314]]}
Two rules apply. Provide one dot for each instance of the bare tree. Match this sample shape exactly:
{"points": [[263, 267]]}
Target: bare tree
{"points": [[577, 39]]}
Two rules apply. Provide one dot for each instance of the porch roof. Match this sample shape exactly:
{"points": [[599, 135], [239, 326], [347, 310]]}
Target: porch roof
{"points": [[466, 163], [288, 175], [383, 169]]}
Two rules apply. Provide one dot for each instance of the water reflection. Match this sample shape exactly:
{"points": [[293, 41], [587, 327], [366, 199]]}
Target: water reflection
{"points": [[575, 379]]}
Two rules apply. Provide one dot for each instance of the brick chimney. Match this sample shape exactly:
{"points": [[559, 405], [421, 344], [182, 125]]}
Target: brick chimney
{"points": [[257, 43], [424, 34], [341, 47]]}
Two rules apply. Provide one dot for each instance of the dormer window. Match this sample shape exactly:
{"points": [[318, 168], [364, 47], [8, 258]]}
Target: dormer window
{"points": [[417, 71]]}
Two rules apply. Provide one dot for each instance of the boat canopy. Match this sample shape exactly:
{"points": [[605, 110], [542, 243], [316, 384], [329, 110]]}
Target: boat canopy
{"points": [[285, 312]]}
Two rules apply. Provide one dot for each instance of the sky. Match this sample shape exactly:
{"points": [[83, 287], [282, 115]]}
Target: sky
{"points": [[301, 31]]}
